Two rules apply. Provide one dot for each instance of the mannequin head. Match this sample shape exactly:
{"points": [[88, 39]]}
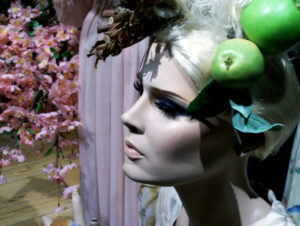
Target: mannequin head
{"points": [[176, 149], [170, 142]]}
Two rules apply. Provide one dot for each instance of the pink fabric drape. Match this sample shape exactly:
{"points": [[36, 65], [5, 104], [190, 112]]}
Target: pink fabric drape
{"points": [[72, 12], [105, 93]]}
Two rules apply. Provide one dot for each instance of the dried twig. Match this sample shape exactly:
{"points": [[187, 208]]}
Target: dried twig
{"points": [[130, 23]]}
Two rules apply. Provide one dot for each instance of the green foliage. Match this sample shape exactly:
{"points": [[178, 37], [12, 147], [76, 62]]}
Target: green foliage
{"points": [[48, 152], [30, 131], [253, 124], [212, 100]]}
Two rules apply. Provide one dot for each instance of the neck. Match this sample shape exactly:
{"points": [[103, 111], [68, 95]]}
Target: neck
{"points": [[211, 199]]}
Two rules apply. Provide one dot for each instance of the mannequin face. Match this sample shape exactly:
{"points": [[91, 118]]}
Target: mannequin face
{"points": [[163, 144]]}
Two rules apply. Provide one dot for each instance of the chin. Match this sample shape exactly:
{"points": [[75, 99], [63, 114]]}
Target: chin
{"points": [[136, 174]]}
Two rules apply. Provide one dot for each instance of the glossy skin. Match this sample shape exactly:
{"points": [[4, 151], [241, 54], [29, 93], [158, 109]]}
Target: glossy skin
{"points": [[168, 140], [274, 25]]}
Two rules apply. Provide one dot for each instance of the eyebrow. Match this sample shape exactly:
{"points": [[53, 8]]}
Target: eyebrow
{"points": [[160, 91], [165, 92]]}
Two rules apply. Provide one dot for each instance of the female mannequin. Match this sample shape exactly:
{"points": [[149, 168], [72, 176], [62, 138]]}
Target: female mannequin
{"points": [[166, 147]]}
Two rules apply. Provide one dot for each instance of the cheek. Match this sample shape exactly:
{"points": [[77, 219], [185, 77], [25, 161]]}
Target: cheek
{"points": [[174, 145], [175, 138]]}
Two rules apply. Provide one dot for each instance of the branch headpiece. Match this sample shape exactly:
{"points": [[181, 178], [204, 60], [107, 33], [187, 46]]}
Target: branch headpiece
{"points": [[131, 22]]}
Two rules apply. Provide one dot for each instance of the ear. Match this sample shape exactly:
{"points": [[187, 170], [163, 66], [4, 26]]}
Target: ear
{"points": [[247, 142]]}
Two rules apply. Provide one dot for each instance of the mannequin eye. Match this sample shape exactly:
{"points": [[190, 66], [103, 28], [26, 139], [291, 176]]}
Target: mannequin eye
{"points": [[138, 86], [170, 108]]}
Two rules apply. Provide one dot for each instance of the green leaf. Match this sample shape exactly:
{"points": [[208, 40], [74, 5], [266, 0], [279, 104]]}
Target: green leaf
{"points": [[38, 108], [30, 24], [61, 154], [254, 124], [66, 54], [56, 55], [31, 33], [36, 24], [44, 13], [53, 50], [30, 131], [242, 109], [212, 100], [48, 152], [9, 67]]}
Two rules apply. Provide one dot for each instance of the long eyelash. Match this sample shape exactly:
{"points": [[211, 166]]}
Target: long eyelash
{"points": [[138, 86], [170, 110]]}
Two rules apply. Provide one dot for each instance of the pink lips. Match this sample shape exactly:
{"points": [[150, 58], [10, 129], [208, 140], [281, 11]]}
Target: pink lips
{"points": [[131, 151]]}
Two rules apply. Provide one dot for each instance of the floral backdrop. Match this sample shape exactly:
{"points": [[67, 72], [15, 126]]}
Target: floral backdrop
{"points": [[38, 88]]}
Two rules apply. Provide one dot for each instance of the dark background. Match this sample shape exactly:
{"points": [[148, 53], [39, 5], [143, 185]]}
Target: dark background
{"points": [[271, 173]]}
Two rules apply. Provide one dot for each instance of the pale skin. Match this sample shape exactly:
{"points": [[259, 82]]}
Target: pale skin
{"points": [[199, 161]]}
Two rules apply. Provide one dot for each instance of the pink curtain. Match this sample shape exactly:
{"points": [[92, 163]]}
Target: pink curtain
{"points": [[105, 93]]}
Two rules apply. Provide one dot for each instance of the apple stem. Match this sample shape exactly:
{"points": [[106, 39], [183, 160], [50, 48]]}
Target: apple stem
{"points": [[228, 62]]}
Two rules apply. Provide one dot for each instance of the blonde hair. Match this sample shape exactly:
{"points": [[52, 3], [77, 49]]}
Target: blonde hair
{"points": [[192, 43]]}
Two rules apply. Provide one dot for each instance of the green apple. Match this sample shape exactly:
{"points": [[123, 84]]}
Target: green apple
{"points": [[237, 64], [274, 25]]}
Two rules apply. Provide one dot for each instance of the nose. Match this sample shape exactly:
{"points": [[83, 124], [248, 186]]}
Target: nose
{"points": [[133, 118]]}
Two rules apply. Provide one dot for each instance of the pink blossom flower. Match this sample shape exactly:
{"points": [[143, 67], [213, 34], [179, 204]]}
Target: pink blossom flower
{"points": [[18, 61], [67, 168], [3, 179], [40, 32], [17, 155], [43, 63], [13, 113], [59, 209], [28, 70], [5, 128], [3, 66], [3, 31], [67, 193], [4, 162], [38, 41], [27, 43], [33, 71], [51, 41], [48, 79], [15, 10], [43, 60], [17, 24], [8, 77], [53, 67], [7, 55], [26, 138], [50, 169], [27, 14], [36, 11], [57, 175], [62, 35]]}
